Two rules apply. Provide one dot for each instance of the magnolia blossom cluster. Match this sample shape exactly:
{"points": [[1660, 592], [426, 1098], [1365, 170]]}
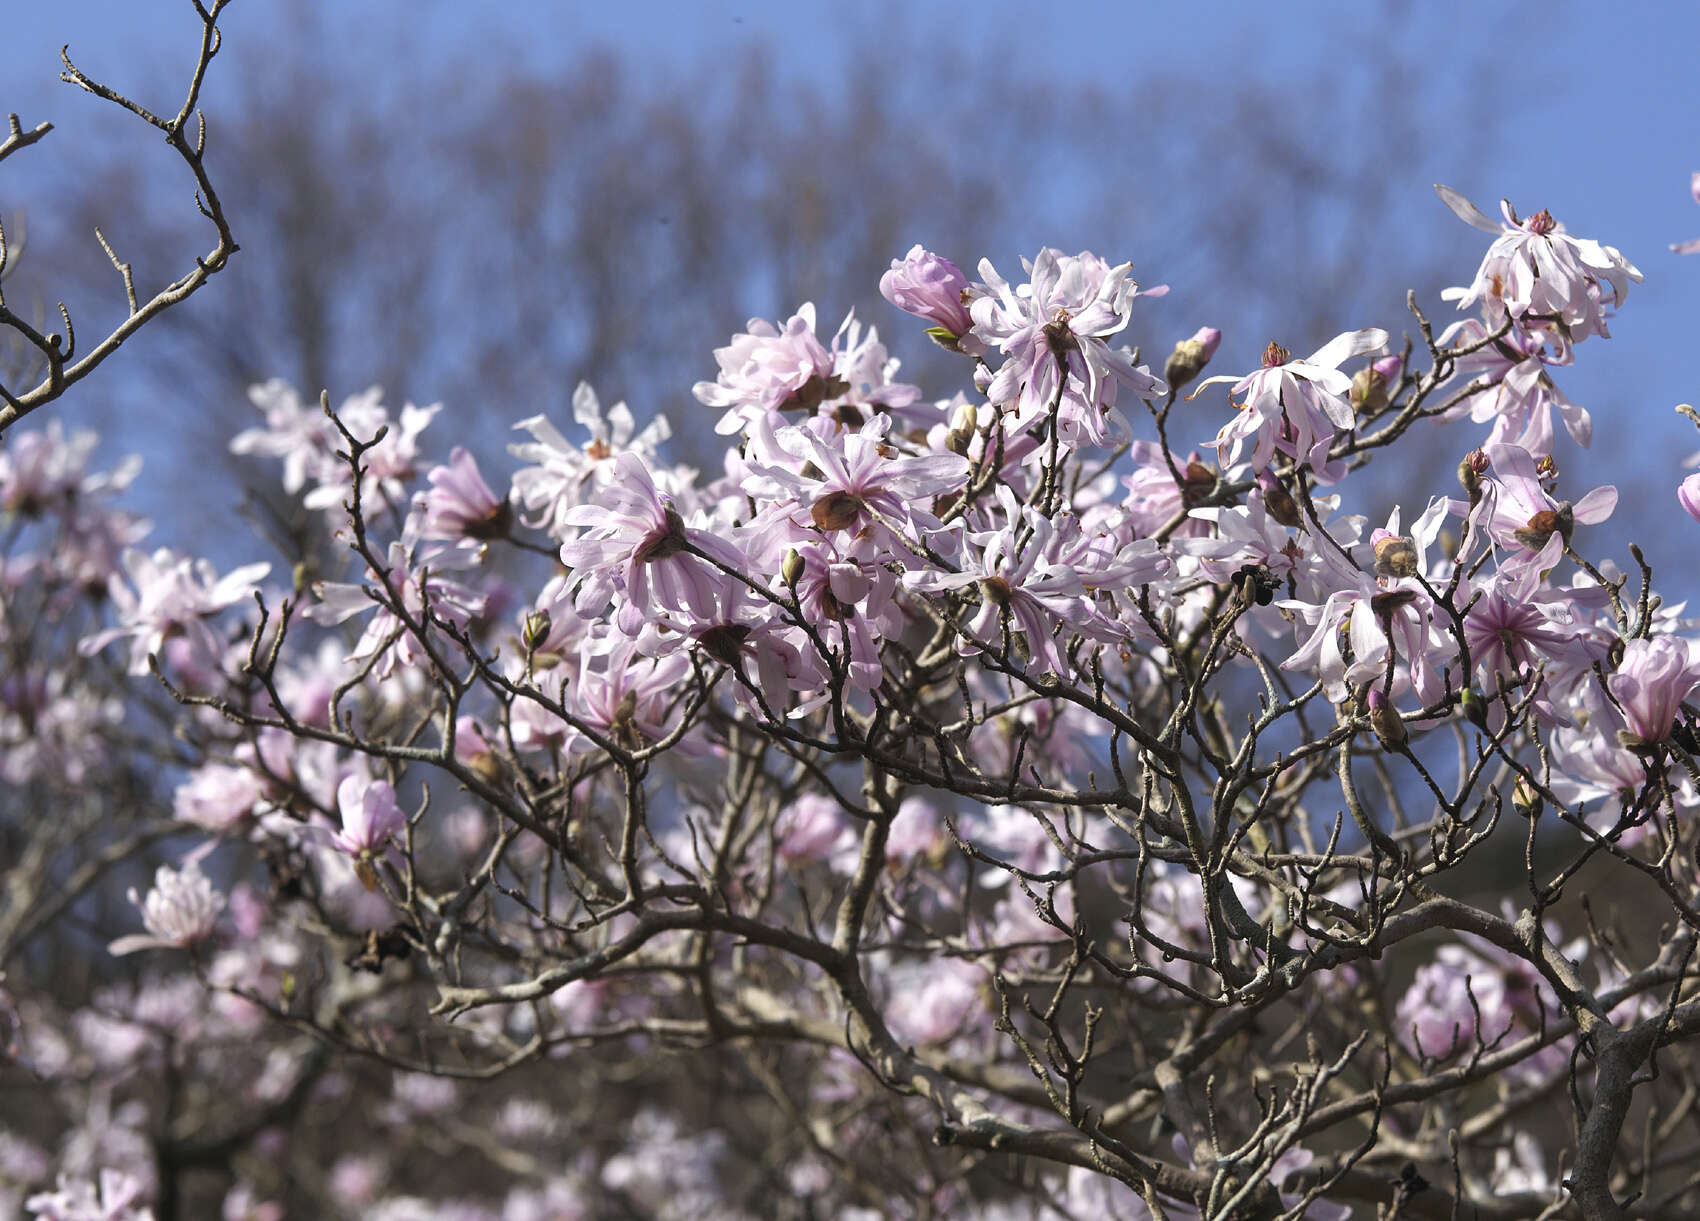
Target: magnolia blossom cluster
{"points": [[975, 655]]}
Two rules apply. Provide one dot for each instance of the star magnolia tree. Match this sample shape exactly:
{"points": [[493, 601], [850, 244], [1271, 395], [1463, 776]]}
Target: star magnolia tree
{"points": [[965, 806]]}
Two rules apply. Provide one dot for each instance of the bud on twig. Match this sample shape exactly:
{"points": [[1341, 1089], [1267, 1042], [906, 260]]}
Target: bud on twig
{"points": [[791, 568], [536, 631], [1475, 708], [1385, 720], [1525, 800], [1470, 474], [1190, 356], [1369, 390]]}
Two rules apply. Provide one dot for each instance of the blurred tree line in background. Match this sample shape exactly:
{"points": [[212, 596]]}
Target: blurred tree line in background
{"points": [[489, 238]]}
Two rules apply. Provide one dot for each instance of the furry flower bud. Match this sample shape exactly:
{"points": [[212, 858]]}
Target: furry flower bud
{"points": [[1385, 720], [1190, 356]]}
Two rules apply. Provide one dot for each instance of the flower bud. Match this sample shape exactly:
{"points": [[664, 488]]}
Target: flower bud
{"points": [[1190, 356], [933, 288], [1475, 708], [1470, 474], [1385, 720], [791, 567], [1525, 800], [964, 424], [1369, 390], [535, 632]]}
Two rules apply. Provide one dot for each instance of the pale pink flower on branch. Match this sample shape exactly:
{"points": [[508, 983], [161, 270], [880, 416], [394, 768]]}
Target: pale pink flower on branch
{"points": [[460, 504], [1053, 332], [180, 910], [218, 796], [299, 433], [386, 467], [42, 469], [555, 480], [1531, 524], [170, 595], [118, 1197], [861, 487], [1651, 682], [932, 287], [769, 369], [1536, 272], [416, 579], [1522, 396], [1688, 491], [1294, 407], [370, 816], [637, 542]]}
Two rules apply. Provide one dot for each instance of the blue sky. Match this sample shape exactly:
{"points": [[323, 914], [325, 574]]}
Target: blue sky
{"points": [[1603, 125]]}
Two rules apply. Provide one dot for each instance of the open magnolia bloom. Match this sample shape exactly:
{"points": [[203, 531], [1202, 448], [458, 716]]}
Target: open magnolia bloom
{"points": [[1536, 273], [1294, 407]]}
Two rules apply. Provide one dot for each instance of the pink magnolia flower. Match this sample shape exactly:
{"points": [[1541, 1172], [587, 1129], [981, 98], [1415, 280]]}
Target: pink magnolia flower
{"points": [[932, 287], [1512, 635], [1535, 270], [218, 796], [624, 696], [1024, 586], [810, 828], [42, 469], [1650, 684], [181, 909], [299, 433], [638, 542], [1293, 406], [1688, 494], [170, 595], [559, 470], [387, 466], [370, 815], [1054, 332], [769, 369], [857, 484], [118, 1197], [1392, 611], [460, 504], [1521, 516], [1522, 397]]}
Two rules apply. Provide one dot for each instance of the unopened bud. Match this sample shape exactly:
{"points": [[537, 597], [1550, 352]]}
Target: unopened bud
{"points": [[1470, 474], [1475, 708], [536, 631], [1385, 720], [1525, 800], [1369, 390], [791, 567], [1190, 356]]}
